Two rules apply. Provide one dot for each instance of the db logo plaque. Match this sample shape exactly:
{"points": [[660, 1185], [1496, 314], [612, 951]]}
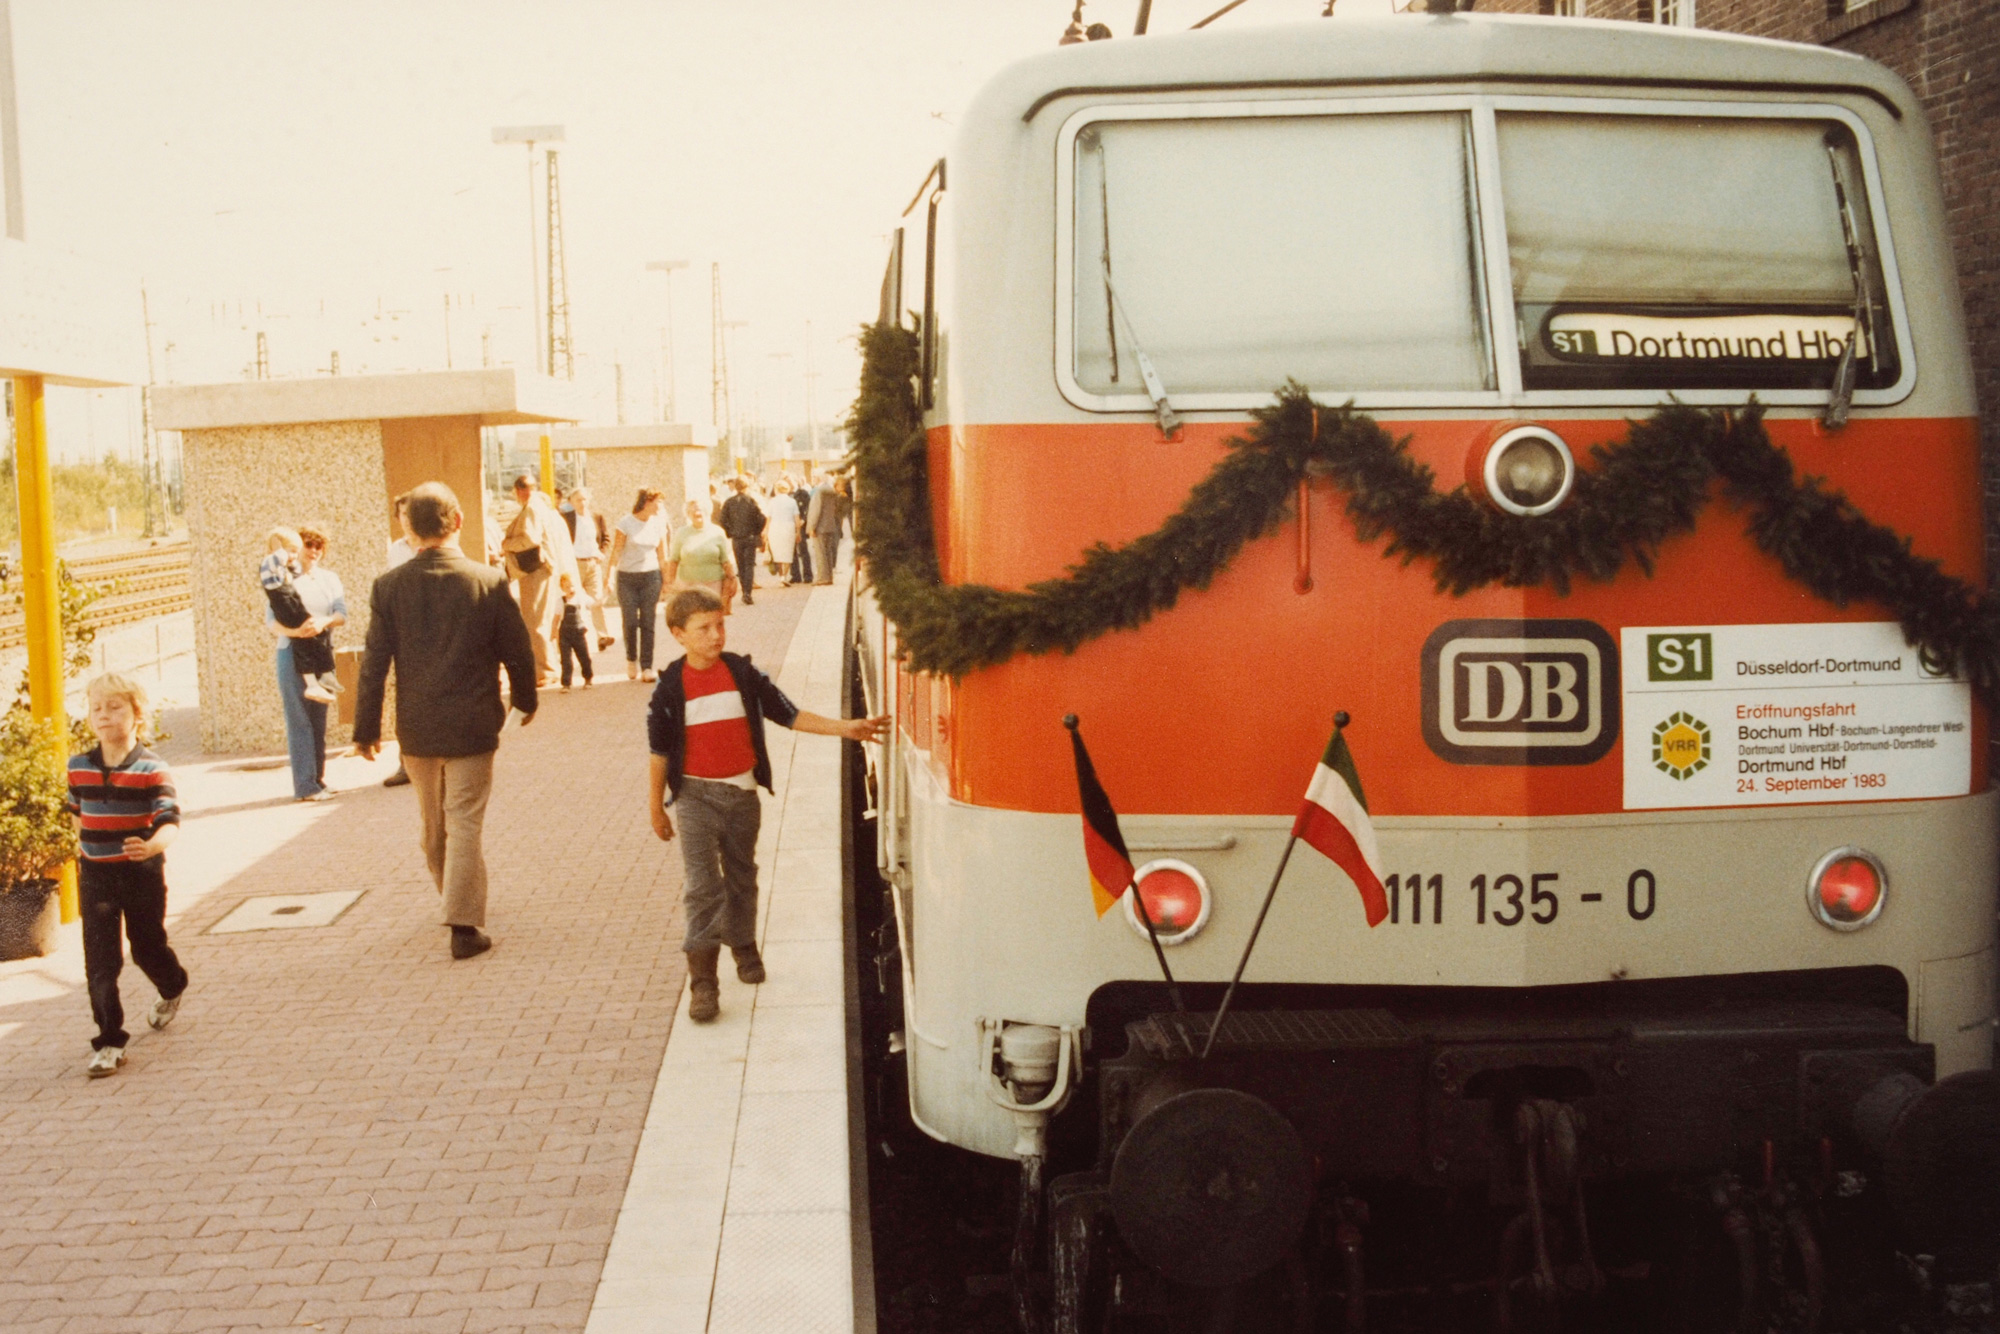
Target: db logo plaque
{"points": [[1520, 692]]}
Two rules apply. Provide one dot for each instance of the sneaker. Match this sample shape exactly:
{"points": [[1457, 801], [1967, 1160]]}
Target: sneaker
{"points": [[316, 692], [646, 675], [163, 1012], [331, 683], [469, 942], [324, 794], [105, 1061]]}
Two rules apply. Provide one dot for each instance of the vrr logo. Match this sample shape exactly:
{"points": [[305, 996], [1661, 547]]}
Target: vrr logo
{"points": [[1680, 746], [1520, 692]]}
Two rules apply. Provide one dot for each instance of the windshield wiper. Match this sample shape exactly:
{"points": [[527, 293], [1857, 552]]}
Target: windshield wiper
{"points": [[1840, 396], [1114, 309]]}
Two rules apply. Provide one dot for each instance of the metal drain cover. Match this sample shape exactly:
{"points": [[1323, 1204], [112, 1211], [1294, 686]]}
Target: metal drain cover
{"points": [[286, 912]]}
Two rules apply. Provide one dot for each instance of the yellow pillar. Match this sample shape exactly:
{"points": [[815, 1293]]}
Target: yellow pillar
{"points": [[41, 593], [548, 468]]}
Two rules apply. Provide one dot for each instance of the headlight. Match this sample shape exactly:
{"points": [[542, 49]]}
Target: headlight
{"points": [[1847, 888], [1528, 470], [1177, 899]]}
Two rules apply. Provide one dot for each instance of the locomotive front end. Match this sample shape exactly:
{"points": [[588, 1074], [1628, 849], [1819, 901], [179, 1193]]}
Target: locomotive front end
{"points": [[1583, 412]]}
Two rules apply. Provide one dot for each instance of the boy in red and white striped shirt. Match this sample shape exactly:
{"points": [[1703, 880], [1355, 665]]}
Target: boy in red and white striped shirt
{"points": [[706, 731], [122, 796]]}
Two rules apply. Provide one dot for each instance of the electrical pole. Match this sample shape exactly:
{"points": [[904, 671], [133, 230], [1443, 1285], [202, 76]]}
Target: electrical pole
{"points": [[532, 135], [812, 417], [560, 351], [148, 451], [729, 327], [718, 387], [667, 266]]}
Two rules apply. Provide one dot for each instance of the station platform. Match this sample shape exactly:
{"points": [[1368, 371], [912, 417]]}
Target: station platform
{"points": [[345, 1130]]}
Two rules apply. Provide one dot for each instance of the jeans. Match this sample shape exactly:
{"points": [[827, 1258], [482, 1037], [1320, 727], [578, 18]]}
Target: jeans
{"points": [[305, 728], [717, 824], [638, 605], [136, 893], [574, 642], [746, 564]]}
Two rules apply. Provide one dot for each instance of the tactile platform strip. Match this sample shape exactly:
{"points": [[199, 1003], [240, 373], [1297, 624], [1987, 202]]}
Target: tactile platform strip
{"points": [[1173, 1036]]}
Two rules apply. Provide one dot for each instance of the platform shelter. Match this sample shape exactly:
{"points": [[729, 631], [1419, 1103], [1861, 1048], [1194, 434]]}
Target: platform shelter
{"points": [[334, 453], [618, 460]]}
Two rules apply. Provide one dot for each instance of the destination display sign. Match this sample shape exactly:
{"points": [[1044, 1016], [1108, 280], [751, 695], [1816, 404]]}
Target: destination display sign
{"points": [[1760, 715], [1613, 336]]}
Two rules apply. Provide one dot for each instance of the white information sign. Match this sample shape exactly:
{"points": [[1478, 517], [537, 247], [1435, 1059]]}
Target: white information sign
{"points": [[1756, 715]]}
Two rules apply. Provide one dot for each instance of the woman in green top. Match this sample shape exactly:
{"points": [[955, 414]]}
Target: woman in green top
{"points": [[701, 557]]}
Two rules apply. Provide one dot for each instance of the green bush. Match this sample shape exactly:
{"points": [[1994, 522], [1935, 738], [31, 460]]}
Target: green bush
{"points": [[36, 832], [84, 494]]}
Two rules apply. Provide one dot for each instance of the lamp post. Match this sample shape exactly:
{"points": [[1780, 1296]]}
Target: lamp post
{"points": [[532, 135], [667, 266], [729, 328], [778, 390]]}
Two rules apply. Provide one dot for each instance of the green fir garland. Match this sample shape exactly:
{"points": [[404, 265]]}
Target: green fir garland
{"points": [[1637, 495]]}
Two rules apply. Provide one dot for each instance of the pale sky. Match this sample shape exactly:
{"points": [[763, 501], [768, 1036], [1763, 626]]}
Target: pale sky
{"points": [[326, 174]]}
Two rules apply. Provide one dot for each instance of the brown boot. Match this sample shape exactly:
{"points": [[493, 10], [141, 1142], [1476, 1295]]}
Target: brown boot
{"points": [[749, 963], [704, 992]]}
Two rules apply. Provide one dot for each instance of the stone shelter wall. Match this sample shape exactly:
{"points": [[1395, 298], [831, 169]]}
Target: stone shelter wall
{"points": [[241, 482]]}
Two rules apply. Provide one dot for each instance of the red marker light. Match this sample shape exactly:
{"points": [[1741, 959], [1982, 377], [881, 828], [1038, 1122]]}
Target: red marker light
{"points": [[1176, 897], [1847, 888]]}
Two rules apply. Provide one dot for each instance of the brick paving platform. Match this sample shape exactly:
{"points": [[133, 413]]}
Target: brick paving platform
{"points": [[344, 1130]]}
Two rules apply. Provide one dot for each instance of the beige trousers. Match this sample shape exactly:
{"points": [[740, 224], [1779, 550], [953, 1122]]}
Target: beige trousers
{"points": [[591, 571], [538, 613], [451, 796]]}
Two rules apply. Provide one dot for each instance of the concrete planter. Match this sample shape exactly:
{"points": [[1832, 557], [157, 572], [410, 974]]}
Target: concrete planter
{"points": [[29, 915]]}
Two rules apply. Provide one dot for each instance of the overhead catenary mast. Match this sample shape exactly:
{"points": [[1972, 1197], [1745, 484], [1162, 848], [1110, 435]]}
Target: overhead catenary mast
{"points": [[562, 360], [718, 360]]}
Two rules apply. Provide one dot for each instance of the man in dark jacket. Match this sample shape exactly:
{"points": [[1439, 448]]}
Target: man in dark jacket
{"points": [[447, 625], [744, 521], [802, 568]]}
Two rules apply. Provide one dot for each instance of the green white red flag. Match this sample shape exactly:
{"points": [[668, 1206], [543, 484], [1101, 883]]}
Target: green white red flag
{"points": [[1334, 819]]}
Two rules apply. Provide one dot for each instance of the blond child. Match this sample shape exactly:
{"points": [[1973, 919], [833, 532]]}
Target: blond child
{"points": [[312, 656], [573, 640], [122, 796]]}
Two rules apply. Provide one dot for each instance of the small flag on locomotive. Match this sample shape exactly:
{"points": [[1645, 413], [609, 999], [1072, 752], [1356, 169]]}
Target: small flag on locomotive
{"points": [[1334, 819]]}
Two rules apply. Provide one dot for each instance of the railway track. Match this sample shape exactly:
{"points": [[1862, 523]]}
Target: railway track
{"points": [[131, 586]]}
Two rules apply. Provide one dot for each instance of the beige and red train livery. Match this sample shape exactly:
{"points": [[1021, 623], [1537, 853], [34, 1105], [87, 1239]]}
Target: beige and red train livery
{"points": [[1463, 225]]}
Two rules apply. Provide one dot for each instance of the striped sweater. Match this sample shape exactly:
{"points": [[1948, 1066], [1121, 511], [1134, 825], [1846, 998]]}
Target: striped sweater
{"points": [[134, 800]]}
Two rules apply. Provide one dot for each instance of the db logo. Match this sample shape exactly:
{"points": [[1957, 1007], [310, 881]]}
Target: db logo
{"points": [[1520, 692]]}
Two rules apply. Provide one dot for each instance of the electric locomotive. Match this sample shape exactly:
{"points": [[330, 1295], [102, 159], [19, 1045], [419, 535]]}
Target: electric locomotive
{"points": [[1687, 975]]}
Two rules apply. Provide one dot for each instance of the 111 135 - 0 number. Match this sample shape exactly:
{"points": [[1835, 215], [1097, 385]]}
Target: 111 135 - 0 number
{"points": [[1508, 899]]}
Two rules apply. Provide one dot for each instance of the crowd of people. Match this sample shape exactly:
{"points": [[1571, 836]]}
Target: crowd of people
{"points": [[566, 563], [447, 628]]}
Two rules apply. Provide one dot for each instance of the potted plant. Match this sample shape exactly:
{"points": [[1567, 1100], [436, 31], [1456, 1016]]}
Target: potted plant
{"points": [[36, 834]]}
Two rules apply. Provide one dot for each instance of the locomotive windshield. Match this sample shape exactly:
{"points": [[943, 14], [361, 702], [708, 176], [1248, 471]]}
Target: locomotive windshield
{"points": [[1648, 252], [1656, 252], [1336, 249]]}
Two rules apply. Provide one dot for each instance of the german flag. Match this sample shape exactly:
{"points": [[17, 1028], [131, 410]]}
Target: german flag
{"points": [[1103, 845]]}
